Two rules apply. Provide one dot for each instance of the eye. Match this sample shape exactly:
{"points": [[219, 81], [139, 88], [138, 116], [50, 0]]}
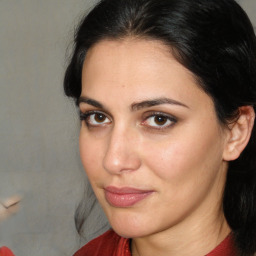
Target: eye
{"points": [[159, 121], [94, 118]]}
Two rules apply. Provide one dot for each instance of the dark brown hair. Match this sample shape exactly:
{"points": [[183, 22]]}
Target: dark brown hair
{"points": [[215, 40]]}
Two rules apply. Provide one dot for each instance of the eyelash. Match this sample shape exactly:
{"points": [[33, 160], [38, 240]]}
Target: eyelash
{"points": [[168, 118], [172, 120], [85, 117]]}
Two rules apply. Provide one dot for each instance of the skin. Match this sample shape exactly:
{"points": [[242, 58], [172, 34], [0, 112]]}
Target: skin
{"points": [[180, 159]]}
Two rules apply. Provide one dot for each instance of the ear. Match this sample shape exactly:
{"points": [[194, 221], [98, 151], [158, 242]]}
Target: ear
{"points": [[239, 133]]}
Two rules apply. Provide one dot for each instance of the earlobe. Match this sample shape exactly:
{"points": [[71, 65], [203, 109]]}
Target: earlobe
{"points": [[239, 133]]}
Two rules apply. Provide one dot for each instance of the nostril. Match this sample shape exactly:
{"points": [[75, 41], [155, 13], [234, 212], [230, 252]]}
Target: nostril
{"points": [[121, 153], [119, 161]]}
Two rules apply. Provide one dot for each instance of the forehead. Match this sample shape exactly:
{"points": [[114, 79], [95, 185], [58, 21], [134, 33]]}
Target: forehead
{"points": [[147, 48], [137, 69]]}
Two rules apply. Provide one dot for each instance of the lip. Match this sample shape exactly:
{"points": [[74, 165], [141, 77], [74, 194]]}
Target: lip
{"points": [[126, 196]]}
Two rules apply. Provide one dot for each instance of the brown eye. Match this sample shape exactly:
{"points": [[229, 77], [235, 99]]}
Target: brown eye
{"points": [[97, 119], [100, 118], [160, 120]]}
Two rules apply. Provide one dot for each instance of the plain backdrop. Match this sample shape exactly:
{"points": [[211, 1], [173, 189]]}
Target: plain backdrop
{"points": [[39, 127]]}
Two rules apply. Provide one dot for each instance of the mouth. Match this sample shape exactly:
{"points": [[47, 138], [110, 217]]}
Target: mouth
{"points": [[126, 196]]}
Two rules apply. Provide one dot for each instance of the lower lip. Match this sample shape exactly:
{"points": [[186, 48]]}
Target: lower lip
{"points": [[126, 199]]}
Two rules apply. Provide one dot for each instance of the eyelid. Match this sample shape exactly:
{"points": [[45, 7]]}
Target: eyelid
{"points": [[148, 115], [90, 112], [158, 113], [86, 114]]}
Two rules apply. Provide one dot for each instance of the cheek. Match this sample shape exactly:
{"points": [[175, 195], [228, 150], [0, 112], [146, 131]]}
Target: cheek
{"points": [[168, 161], [184, 172], [90, 154], [185, 156]]}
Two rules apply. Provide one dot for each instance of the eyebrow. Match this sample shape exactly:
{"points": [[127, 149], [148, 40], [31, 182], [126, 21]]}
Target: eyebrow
{"points": [[154, 102], [90, 102], [135, 106]]}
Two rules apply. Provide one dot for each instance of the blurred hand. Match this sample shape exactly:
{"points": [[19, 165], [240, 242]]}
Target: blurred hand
{"points": [[9, 206]]}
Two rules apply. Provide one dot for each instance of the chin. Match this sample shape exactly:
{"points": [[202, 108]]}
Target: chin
{"points": [[130, 233], [129, 225]]}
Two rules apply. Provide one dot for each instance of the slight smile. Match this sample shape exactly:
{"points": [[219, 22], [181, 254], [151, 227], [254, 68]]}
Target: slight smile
{"points": [[126, 196]]}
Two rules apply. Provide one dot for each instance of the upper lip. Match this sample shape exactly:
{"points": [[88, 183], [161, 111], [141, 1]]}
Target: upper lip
{"points": [[126, 190]]}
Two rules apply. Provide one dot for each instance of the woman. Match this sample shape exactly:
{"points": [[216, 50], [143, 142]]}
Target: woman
{"points": [[166, 92]]}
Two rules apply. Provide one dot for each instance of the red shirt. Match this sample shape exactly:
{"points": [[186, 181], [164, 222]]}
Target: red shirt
{"points": [[111, 244], [4, 251]]}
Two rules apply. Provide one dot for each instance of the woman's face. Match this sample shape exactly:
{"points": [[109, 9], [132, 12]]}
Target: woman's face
{"points": [[150, 141]]}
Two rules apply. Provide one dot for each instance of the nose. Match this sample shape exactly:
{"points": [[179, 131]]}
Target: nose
{"points": [[121, 153]]}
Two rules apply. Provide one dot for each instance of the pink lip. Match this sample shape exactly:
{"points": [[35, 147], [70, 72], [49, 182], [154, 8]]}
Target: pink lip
{"points": [[126, 196]]}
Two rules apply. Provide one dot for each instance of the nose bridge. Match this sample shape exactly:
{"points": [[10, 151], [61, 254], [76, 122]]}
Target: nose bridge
{"points": [[121, 153]]}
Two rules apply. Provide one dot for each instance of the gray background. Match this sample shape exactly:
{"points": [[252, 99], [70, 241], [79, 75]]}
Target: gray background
{"points": [[39, 127]]}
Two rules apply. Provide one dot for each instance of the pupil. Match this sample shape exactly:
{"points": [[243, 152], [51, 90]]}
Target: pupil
{"points": [[160, 120], [100, 118]]}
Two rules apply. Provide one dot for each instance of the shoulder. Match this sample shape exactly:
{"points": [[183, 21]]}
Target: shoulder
{"points": [[105, 245], [4, 251]]}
